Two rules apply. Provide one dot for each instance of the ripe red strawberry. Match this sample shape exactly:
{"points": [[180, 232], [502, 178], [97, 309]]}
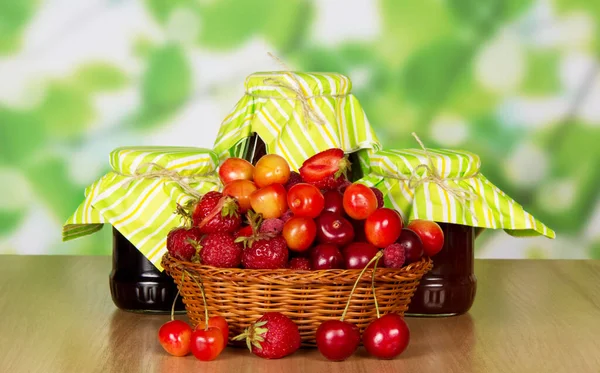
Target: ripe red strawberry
{"points": [[326, 170], [273, 336], [300, 264], [265, 252], [183, 243], [220, 250], [217, 213]]}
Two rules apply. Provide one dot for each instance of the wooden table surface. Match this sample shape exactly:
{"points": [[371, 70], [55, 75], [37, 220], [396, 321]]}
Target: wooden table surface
{"points": [[56, 315]]}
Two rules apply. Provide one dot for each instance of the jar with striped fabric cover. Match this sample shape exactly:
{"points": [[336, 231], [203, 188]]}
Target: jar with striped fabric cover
{"points": [[447, 186], [296, 115], [138, 197]]}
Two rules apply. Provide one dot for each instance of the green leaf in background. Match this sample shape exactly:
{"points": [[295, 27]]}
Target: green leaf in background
{"points": [[542, 77], [431, 73], [404, 29], [100, 76], [14, 16], [51, 183], [566, 200], [21, 134], [228, 23], [161, 9], [66, 111], [288, 23], [10, 220], [595, 250], [166, 84], [485, 15]]}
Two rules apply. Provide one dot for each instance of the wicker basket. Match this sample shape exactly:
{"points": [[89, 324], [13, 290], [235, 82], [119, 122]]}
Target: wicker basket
{"points": [[307, 297]]}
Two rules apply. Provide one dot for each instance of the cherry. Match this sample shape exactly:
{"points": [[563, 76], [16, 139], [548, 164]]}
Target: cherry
{"points": [[334, 229], [359, 201], [299, 232], [383, 227], [216, 322], [333, 202], [386, 337], [175, 337], [207, 343], [430, 233], [337, 340], [305, 200], [358, 254], [326, 256], [235, 169], [413, 247]]}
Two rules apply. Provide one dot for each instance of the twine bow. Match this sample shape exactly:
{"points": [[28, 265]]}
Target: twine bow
{"points": [[309, 112], [432, 175], [165, 173]]}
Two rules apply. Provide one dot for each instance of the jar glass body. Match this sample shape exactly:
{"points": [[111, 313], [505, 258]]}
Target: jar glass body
{"points": [[136, 284], [449, 288]]}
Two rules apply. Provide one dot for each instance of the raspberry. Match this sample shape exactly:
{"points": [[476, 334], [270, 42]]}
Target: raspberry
{"points": [[394, 256]]}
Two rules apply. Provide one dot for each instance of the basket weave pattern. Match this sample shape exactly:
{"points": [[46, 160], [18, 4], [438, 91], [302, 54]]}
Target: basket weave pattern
{"points": [[307, 297]]}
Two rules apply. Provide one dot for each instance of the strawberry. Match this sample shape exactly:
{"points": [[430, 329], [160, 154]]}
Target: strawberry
{"points": [[265, 252], [273, 336], [327, 169], [183, 243], [220, 250], [300, 264], [217, 213]]}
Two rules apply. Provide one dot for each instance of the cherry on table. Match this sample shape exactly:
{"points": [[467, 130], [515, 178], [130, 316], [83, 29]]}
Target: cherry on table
{"points": [[337, 340], [175, 336], [387, 336]]}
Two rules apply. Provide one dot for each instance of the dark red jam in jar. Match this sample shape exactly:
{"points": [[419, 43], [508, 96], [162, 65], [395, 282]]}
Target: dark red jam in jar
{"points": [[449, 288], [136, 284]]}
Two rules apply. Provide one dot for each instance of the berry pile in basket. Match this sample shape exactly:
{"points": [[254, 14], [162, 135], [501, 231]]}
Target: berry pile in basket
{"points": [[269, 217]]}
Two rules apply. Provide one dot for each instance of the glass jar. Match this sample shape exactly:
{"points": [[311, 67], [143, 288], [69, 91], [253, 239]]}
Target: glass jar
{"points": [[449, 288], [136, 285]]}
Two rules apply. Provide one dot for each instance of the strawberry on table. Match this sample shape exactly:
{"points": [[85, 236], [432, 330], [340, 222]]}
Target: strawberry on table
{"points": [[327, 169], [216, 212], [273, 336]]}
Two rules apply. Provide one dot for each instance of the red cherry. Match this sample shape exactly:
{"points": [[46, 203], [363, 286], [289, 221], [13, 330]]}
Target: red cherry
{"points": [[337, 340], [207, 344], [175, 337], [326, 256], [305, 200], [334, 229], [430, 233], [386, 337], [333, 202], [217, 322], [235, 169], [299, 233], [383, 227], [359, 201], [358, 254], [413, 248]]}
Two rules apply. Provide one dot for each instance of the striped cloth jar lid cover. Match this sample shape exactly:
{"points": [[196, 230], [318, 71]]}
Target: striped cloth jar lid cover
{"points": [[447, 186], [298, 115], [140, 195]]}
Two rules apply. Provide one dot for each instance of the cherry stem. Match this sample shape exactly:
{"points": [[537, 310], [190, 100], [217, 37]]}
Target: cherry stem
{"points": [[201, 287], [175, 300], [373, 287], [376, 257]]}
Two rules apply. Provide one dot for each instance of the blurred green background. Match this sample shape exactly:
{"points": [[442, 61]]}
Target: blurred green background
{"points": [[516, 81]]}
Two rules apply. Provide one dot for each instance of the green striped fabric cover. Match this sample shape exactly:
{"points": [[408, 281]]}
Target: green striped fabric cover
{"points": [[277, 115], [142, 209], [490, 209]]}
